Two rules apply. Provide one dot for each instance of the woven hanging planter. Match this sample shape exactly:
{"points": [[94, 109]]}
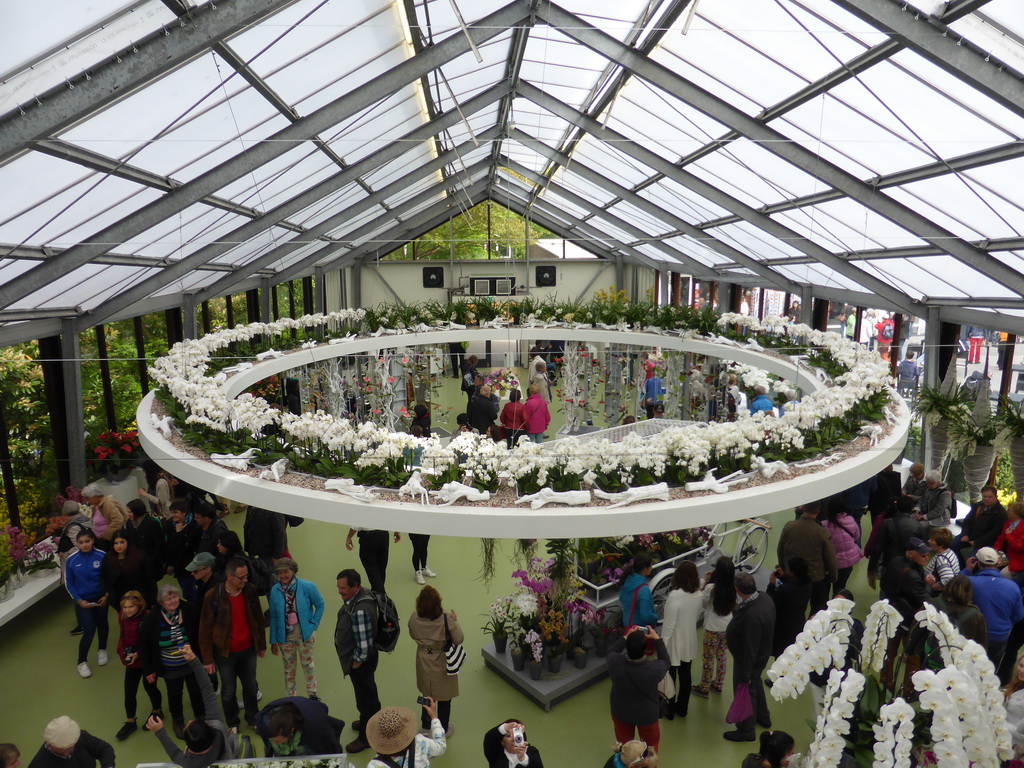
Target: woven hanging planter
{"points": [[977, 468], [938, 439]]}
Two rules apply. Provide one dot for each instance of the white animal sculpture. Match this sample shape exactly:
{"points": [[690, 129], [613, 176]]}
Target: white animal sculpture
{"points": [[824, 461], [709, 483], [234, 461], [238, 368], [456, 326], [347, 487], [548, 496], [220, 378], [769, 469], [269, 354], [309, 344], [163, 423], [414, 488], [657, 492], [872, 431], [276, 472], [452, 492]]}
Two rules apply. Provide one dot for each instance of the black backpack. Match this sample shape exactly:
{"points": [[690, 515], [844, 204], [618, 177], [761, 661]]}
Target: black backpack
{"points": [[389, 626], [67, 542], [261, 576]]}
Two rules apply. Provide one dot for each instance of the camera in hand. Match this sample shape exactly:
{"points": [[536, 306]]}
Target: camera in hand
{"points": [[423, 701], [518, 736]]}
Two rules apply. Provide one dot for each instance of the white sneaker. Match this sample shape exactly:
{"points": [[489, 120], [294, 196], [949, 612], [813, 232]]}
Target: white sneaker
{"points": [[102, 658], [83, 670], [429, 573], [419, 578], [259, 695]]}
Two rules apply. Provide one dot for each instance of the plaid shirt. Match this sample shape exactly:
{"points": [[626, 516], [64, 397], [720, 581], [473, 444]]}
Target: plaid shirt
{"points": [[362, 629]]}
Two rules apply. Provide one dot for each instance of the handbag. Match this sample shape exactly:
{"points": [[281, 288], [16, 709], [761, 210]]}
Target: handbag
{"points": [[741, 708], [454, 653]]}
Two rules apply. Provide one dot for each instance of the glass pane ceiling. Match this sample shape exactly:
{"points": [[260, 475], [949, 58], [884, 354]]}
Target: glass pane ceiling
{"points": [[792, 64]]}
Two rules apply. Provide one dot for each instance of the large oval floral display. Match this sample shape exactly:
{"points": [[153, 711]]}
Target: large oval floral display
{"points": [[203, 427]]}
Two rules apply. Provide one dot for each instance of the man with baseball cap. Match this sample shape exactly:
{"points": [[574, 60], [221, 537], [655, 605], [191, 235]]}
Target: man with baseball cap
{"points": [[903, 580], [202, 571], [997, 598], [65, 745]]}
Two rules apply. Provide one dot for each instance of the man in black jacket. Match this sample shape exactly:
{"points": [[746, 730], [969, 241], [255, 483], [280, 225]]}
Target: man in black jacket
{"points": [[749, 638], [149, 532], [265, 534], [903, 581], [182, 544], [891, 539], [982, 525], [65, 745], [210, 526]]}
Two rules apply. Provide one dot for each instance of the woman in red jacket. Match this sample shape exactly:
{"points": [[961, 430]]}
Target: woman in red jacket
{"points": [[1011, 542], [133, 609], [513, 418]]}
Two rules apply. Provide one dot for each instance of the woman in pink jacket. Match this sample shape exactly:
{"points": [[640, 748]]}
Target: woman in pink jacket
{"points": [[537, 415], [845, 532]]}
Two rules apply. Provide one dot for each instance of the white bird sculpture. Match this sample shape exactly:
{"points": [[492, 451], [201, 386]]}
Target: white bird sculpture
{"points": [[709, 483], [234, 461], [163, 423], [269, 354], [276, 472], [872, 431], [769, 469]]}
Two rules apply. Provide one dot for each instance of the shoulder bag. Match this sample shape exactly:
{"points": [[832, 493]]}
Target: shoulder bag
{"points": [[454, 653]]}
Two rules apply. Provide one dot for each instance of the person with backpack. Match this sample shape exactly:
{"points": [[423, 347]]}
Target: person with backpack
{"points": [[232, 636], [182, 546], [635, 593], [354, 641], [886, 331]]}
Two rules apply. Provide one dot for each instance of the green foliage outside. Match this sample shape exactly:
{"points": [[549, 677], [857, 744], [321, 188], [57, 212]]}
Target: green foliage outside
{"points": [[474, 235]]}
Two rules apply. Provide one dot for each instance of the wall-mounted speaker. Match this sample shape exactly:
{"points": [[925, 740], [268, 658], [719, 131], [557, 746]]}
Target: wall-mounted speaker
{"points": [[545, 276], [433, 277]]}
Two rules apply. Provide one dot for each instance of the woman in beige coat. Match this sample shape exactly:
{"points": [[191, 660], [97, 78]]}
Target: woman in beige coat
{"points": [[426, 627]]}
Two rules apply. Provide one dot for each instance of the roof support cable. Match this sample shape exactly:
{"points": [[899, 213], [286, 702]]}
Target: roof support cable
{"points": [[455, 101], [689, 16], [465, 31]]}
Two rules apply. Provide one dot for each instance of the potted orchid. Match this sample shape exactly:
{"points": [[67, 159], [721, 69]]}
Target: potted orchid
{"points": [[535, 654], [881, 712], [499, 617], [42, 558]]}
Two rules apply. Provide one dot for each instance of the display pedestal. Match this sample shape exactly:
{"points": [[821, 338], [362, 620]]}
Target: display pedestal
{"points": [[551, 688], [29, 593]]}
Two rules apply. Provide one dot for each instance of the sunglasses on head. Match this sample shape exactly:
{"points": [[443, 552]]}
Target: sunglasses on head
{"points": [[646, 753]]}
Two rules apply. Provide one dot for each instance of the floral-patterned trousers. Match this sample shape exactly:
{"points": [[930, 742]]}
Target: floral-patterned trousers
{"points": [[713, 655], [301, 651]]}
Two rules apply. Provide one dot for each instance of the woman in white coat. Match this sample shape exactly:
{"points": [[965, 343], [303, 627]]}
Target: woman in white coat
{"points": [[683, 608]]}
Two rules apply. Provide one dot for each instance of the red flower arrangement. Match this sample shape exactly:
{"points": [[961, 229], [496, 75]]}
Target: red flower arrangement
{"points": [[114, 451]]}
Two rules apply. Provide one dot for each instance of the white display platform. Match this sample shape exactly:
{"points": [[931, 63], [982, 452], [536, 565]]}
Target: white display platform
{"points": [[34, 589], [522, 522]]}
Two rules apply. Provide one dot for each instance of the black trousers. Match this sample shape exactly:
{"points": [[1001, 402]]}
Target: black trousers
{"points": [[132, 678], [757, 698], [373, 554], [420, 541], [364, 685], [175, 689], [683, 680], [444, 714], [819, 595]]}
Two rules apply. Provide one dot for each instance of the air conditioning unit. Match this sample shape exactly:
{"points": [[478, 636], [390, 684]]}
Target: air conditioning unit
{"points": [[492, 286]]}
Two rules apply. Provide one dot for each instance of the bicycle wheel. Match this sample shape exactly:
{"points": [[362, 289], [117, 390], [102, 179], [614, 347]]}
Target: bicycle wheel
{"points": [[753, 548], [661, 585]]}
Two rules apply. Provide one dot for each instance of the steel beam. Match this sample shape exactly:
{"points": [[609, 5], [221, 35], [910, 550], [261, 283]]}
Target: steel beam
{"points": [[934, 41], [717, 196], [71, 371], [44, 252], [582, 202], [684, 227], [392, 151], [358, 236], [149, 59], [271, 257], [780, 145], [253, 157]]}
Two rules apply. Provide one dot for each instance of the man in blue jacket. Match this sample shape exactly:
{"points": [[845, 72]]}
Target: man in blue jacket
{"points": [[762, 402], [997, 598]]}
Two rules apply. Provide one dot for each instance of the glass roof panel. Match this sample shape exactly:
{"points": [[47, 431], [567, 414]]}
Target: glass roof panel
{"points": [[538, 122], [959, 276], [196, 226], [561, 67], [403, 165], [992, 31], [437, 18], [330, 205], [963, 207], [752, 175], [695, 249], [614, 17], [675, 117], [640, 218], [856, 226], [609, 161], [281, 178], [257, 246], [682, 201], [46, 47], [592, 192], [1006, 13], [815, 274], [376, 126], [1013, 259], [914, 274], [308, 25], [748, 239], [27, 181]]}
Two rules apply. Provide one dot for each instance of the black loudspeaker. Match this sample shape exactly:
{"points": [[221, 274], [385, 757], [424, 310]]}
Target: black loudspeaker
{"points": [[433, 277], [545, 276]]}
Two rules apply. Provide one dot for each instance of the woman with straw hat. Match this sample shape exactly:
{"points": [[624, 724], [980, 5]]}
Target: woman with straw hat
{"points": [[393, 734]]}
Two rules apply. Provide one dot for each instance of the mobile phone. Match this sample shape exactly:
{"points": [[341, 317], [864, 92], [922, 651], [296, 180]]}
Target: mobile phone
{"points": [[423, 701]]}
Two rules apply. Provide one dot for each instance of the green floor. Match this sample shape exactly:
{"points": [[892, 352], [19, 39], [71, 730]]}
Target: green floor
{"points": [[37, 656]]}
